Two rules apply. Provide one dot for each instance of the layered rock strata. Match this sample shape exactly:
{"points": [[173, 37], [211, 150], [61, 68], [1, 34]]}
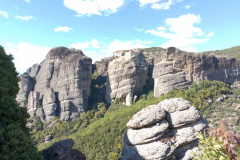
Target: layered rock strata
{"points": [[62, 87], [163, 131], [174, 68], [126, 76]]}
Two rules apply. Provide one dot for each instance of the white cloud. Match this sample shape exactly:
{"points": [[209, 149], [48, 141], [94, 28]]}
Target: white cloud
{"points": [[210, 34], [187, 6], [97, 7], [62, 29], [25, 54], [95, 44], [28, 1], [81, 46], [159, 4], [139, 30], [16, 8], [4, 14], [26, 18], [181, 32], [147, 42], [119, 45]]}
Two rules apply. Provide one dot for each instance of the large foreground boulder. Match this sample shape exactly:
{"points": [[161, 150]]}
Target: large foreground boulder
{"points": [[62, 150], [167, 136]]}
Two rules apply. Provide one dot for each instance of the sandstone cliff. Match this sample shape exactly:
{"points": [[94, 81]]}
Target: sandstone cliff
{"points": [[62, 87], [126, 76], [174, 68], [164, 131]]}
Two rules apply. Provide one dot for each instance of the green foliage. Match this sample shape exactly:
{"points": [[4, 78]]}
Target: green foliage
{"points": [[233, 52], [220, 144], [95, 74], [15, 141], [123, 65], [198, 94]]}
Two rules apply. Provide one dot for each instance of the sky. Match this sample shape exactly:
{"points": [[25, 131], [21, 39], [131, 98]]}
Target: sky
{"points": [[30, 28]]}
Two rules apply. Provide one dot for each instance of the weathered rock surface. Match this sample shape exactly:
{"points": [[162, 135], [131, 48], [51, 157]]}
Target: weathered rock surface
{"points": [[26, 85], [177, 69], [48, 138], [33, 71], [160, 140], [102, 68], [52, 124], [62, 83], [33, 102], [62, 150], [126, 75], [149, 115]]}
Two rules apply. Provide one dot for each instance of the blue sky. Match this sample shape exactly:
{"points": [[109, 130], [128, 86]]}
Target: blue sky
{"points": [[30, 28]]}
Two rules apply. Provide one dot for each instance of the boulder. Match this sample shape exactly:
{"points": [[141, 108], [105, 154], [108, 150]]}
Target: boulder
{"points": [[48, 138], [147, 116], [62, 150], [49, 97], [171, 137], [50, 111]]}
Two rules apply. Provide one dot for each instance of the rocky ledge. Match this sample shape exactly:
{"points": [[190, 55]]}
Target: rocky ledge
{"points": [[164, 131]]}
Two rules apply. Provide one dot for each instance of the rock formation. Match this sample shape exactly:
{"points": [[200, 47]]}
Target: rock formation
{"points": [[163, 131], [62, 150], [177, 69], [102, 68], [126, 75], [26, 84], [33, 71], [62, 87]]}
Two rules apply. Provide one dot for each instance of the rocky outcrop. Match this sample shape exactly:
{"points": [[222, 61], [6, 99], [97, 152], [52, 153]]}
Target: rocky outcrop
{"points": [[163, 131], [62, 84], [102, 68], [62, 150], [174, 68], [126, 75], [33, 71], [26, 85]]}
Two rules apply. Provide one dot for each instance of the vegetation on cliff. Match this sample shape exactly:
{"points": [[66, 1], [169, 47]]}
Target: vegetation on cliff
{"points": [[15, 141], [102, 138]]}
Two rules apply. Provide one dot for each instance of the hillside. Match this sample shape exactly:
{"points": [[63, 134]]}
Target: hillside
{"points": [[232, 52], [103, 138]]}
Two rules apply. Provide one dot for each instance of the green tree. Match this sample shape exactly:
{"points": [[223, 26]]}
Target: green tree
{"points": [[15, 141]]}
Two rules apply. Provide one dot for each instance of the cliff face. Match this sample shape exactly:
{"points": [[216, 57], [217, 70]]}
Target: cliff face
{"points": [[102, 68], [126, 77], [26, 85], [62, 85], [177, 69]]}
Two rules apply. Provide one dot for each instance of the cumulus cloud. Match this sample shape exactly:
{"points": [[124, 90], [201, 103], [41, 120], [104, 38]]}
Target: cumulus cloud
{"points": [[210, 34], [97, 7], [62, 29], [158, 4], [4, 14], [81, 46], [181, 32], [95, 43], [28, 1], [25, 54], [26, 18]]}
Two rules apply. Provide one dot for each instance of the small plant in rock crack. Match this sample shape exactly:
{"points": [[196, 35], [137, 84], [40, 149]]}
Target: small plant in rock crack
{"points": [[220, 144]]}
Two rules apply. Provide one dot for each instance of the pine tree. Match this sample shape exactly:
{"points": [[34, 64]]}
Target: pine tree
{"points": [[15, 140]]}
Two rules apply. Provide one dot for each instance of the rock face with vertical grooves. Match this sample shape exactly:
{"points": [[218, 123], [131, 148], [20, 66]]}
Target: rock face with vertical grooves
{"points": [[174, 68], [62, 84], [162, 139], [102, 68], [26, 85], [126, 75], [33, 71]]}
